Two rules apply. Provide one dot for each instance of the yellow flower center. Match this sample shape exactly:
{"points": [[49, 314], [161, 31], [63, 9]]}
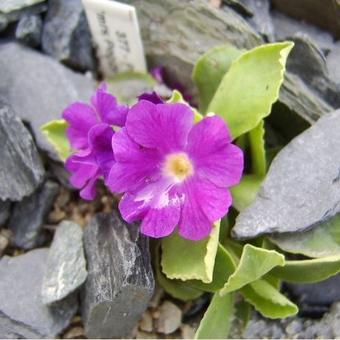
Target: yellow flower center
{"points": [[178, 166]]}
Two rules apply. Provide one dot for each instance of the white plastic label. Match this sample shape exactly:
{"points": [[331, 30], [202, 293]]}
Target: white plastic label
{"points": [[115, 32]]}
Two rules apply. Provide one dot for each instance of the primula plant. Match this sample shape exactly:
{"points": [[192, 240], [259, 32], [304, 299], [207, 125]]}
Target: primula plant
{"points": [[185, 173]]}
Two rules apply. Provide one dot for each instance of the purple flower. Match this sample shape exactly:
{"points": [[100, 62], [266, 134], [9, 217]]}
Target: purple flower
{"points": [[152, 97], [90, 134], [174, 172]]}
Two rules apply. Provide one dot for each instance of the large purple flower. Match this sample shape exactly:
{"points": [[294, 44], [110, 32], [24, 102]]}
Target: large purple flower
{"points": [[90, 134], [174, 172]]}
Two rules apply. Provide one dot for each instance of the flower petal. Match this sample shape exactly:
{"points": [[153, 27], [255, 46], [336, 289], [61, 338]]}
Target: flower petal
{"points": [[89, 190], [80, 117], [215, 201], [157, 204], [135, 165], [130, 209], [100, 140], [162, 126], [160, 222], [152, 97], [204, 203], [215, 158], [108, 109], [83, 167]]}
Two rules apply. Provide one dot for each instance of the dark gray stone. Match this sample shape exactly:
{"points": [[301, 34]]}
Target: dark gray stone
{"points": [[3, 22], [324, 14], [316, 294], [66, 35], [261, 19], [176, 34], [58, 172], [328, 327], [302, 187], [333, 63], [21, 170], [286, 27], [29, 30], [5, 207], [299, 98], [66, 266], [238, 6], [28, 216], [308, 89], [22, 314], [39, 88], [120, 282], [308, 62]]}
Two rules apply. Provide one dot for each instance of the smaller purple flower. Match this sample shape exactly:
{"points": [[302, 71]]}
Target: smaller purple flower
{"points": [[90, 133], [174, 173]]}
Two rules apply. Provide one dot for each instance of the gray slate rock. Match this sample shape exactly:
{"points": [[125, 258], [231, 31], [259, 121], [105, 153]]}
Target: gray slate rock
{"points": [[21, 170], [28, 216], [14, 16], [40, 88], [324, 14], [120, 282], [308, 62], [317, 294], [7, 6], [66, 266], [302, 187], [292, 328], [261, 19], [66, 35], [5, 207], [29, 30], [333, 63], [22, 313], [286, 26], [3, 22], [308, 89]]}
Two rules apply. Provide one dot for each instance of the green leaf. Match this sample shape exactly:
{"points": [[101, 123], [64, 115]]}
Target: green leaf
{"points": [[268, 301], [176, 97], [217, 320], [250, 87], [190, 260], [308, 271], [323, 240], [245, 192], [210, 69], [176, 288], [55, 131], [254, 263], [224, 267], [258, 151]]}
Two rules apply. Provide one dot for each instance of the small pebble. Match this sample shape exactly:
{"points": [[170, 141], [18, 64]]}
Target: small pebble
{"points": [[145, 335], [146, 323], [5, 236], [187, 332], [75, 333], [170, 318], [56, 216], [157, 297]]}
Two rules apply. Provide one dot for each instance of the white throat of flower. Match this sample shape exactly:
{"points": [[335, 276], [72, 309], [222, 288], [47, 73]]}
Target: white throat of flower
{"points": [[178, 166]]}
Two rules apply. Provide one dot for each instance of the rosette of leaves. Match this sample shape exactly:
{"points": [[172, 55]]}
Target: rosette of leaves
{"points": [[240, 86]]}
